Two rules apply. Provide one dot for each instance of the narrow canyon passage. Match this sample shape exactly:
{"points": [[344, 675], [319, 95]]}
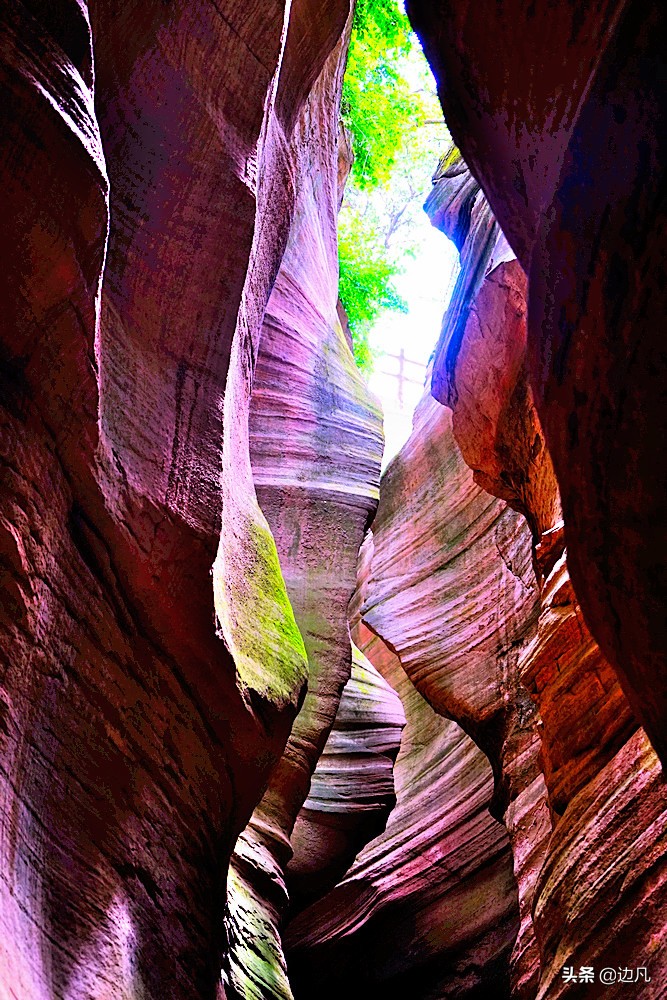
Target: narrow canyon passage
{"points": [[280, 719]]}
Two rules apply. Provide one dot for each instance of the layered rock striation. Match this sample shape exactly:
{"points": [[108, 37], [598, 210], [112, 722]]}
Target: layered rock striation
{"points": [[352, 790], [464, 587], [152, 158], [568, 141], [204, 791], [430, 906], [316, 446], [586, 726]]}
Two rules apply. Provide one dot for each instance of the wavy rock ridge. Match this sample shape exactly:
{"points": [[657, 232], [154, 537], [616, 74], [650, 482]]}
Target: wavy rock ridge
{"points": [[568, 141], [585, 723], [470, 596], [150, 183], [316, 446], [205, 789]]}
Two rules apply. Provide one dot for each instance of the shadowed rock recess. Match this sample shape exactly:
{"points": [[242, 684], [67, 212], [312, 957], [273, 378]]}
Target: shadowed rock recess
{"points": [[271, 728]]}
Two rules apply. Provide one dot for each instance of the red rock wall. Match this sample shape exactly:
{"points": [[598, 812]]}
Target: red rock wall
{"points": [[470, 596], [567, 137], [481, 372], [585, 723], [177, 551], [316, 445], [429, 907], [352, 791], [446, 590], [137, 736]]}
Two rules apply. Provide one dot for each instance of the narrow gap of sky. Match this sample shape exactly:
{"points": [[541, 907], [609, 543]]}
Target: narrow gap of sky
{"points": [[404, 342]]}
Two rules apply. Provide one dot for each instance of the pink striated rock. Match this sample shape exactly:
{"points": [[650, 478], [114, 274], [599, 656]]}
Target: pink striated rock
{"points": [[352, 789], [454, 563], [137, 741], [434, 529], [472, 600], [429, 906], [316, 446], [610, 848], [168, 170], [482, 370], [568, 142], [585, 719]]}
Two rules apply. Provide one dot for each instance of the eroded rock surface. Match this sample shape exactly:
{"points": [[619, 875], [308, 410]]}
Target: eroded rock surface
{"points": [[585, 723], [458, 647], [568, 139], [316, 445], [466, 591], [190, 462], [136, 739], [352, 789], [439, 877], [481, 373]]}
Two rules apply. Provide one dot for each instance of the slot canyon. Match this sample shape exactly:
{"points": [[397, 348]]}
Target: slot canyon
{"points": [[277, 723]]}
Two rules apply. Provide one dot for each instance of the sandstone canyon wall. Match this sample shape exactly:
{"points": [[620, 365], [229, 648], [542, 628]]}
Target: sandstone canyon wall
{"points": [[464, 587], [564, 126], [316, 446], [588, 738], [205, 789], [431, 905], [151, 163]]}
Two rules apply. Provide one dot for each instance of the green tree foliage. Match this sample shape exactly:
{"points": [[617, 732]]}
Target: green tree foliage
{"points": [[384, 104], [366, 282], [378, 106]]}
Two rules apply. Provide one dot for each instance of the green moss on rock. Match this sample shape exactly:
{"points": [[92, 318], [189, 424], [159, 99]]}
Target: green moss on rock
{"points": [[256, 967], [255, 614]]}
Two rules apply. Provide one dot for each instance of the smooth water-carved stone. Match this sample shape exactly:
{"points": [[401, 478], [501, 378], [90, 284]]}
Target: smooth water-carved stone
{"points": [[134, 746], [429, 906], [568, 140], [316, 445]]}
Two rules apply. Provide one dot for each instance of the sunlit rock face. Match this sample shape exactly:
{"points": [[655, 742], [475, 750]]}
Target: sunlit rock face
{"points": [[352, 789], [428, 908], [437, 888], [145, 220], [592, 765], [479, 368], [316, 446], [465, 606], [568, 138], [481, 373], [190, 462]]}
